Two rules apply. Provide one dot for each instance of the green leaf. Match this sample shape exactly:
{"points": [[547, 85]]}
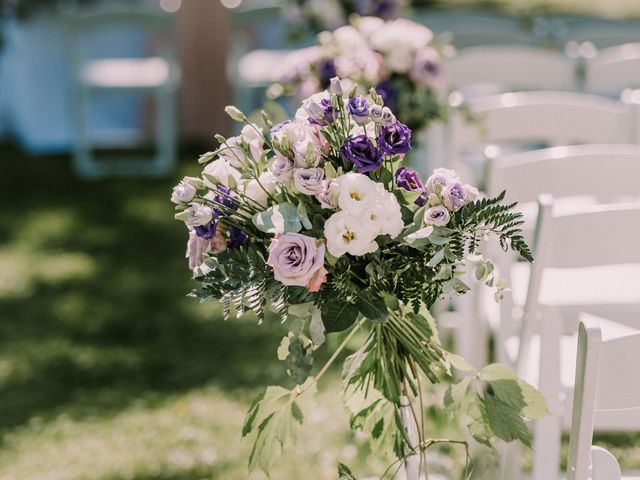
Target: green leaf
{"points": [[338, 316], [372, 307], [281, 218], [344, 473], [455, 394], [300, 358], [501, 408], [264, 404], [297, 413], [316, 328]]}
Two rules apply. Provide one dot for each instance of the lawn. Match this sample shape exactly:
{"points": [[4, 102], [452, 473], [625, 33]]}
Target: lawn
{"points": [[109, 372]]}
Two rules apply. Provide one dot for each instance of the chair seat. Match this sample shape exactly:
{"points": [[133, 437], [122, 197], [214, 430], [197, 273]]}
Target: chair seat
{"points": [[260, 67], [150, 72]]}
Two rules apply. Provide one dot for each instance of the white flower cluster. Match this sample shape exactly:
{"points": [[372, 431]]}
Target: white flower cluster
{"points": [[367, 210]]}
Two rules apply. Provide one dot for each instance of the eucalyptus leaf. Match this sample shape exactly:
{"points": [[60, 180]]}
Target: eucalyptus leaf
{"points": [[281, 218]]}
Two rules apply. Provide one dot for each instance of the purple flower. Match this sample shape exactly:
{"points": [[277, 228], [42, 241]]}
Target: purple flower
{"points": [[394, 139], [326, 71], [359, 109], [437, 216], [324, 115], [427, 69], [388, 92], [454, 195], [237, 238], [278, 126], [225, 198], [361, 151], [207, 231], [409, 180]]}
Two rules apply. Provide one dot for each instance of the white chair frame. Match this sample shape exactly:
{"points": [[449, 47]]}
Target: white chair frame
{"points": [[606, 381]]}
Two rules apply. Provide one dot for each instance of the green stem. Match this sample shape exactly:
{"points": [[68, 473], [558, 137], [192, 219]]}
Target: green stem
{"points": [[333, 358]]}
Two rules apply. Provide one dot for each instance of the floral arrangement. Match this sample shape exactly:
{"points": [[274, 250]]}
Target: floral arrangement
{"points": [[317, 219], [399, 58]]}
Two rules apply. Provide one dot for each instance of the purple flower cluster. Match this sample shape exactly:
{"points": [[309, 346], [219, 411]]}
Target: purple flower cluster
{"points": [[359, 109], [395, 139], [361, 151], [409, 180], [224, 197]]}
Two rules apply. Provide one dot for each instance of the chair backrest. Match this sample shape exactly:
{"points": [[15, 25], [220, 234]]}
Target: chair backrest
{"points": [[606, 380], [548, 118], [601, 32], [613, 69], [113, 19], [607, 172], [511, 67]]}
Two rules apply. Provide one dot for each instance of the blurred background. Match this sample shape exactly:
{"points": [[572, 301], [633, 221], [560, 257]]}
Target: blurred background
{"points": [[107, 370]]}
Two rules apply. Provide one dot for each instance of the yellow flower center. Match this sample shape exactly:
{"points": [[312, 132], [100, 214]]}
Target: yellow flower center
{"points": [[348, 236], [355, 195]]}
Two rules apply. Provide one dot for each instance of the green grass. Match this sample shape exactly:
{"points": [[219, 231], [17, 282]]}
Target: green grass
{"points": [[109, 372]]}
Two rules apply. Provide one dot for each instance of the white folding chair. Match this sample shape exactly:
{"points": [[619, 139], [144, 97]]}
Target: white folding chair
{"points": [[541, 118], [606, 383], [585, 262], [613, 69], [157, 75], [600, 32], [496, 68], [575, 176]]}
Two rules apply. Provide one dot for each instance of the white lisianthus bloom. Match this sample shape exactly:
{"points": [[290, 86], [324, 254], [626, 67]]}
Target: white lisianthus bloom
{"points": [[253, 137], [232, 153], [196, 215], [221, 172], [282, 168], [369, 26], [472, 193], [183, 192], [347, 233], [357, 192], [328, 196], [392, 223], [259, 190]]}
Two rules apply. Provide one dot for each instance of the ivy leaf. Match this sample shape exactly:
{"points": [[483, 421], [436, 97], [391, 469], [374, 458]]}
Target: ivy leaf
{"points": [[372, 307], [338, 316]]}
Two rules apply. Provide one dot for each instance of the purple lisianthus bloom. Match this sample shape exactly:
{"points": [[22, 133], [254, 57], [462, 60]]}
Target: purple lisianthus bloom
{"points": [[437, 216], [326, 71], [326, 116], [409, 180], [454, 195], [278, 126], [224, 197], [237, 238], [359, 109], [388, 92], [395, 139], [361, 151], [207, 231]]}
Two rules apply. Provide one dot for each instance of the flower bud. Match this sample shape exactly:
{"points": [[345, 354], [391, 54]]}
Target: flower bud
{"points": [[235, 113]]}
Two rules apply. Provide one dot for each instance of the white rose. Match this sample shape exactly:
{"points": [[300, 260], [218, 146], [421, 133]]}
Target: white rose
{"points": [[183, 192], [347, 233], [259, 190], [357, 192], [197, 214], [220, 172], [308, 180]]}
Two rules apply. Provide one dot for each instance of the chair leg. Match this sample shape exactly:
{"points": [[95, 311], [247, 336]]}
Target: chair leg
{"points": [[548, 431]]}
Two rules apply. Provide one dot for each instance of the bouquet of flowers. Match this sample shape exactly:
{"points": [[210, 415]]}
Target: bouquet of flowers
{"points": [[317, 219], [399, 58]]}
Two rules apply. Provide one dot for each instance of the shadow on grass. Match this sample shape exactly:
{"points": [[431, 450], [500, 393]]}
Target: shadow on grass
{"points": [[93, 312]]}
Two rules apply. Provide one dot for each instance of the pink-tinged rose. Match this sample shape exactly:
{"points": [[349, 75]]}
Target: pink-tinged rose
{"points": [[298, 260], [317, 280]]}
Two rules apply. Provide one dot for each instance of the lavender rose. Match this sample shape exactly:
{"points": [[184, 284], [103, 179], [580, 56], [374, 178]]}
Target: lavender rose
{"points": [[282, 168], [359, 109], [361, 151], [409, 180], [297, 260], [437, 216], [454, 196], [394, 139], [308, 180]]}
